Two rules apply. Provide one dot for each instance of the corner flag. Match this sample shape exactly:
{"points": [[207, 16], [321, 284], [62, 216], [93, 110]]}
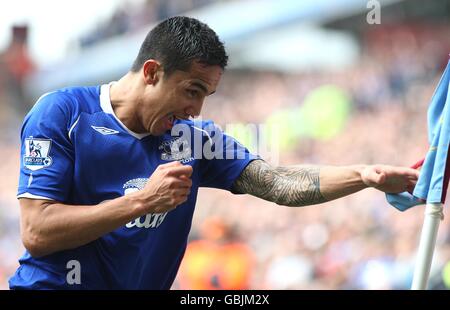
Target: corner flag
{"points": [[434, 176], [433, 180]]}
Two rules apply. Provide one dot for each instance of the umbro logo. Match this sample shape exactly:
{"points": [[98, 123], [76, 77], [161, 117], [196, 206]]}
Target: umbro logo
{"points": [[104, 130]]}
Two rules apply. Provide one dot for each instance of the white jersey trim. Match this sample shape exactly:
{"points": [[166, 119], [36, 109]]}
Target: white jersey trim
{"points": [[209, 137], [73, 126], [31, 196], [46, 94], [105, 103]]}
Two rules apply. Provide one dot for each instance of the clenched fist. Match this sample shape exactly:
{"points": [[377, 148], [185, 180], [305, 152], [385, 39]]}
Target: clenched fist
{"points": [[168, 187], [390, 179]]}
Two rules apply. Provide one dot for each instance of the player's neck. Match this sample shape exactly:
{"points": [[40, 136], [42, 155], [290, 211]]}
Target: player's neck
{"points": [[124, 98]]}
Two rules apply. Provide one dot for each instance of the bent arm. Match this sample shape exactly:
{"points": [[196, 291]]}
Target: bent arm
{"points": [[308, 185], [49, 226]]}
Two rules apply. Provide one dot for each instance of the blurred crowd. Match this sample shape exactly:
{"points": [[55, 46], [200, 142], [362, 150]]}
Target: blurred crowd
{"points": [[15, 66], [241, 242], [133, 15]]}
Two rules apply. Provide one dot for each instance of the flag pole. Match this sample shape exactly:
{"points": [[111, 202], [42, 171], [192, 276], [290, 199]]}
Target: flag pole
{"points": [[433, 214]]}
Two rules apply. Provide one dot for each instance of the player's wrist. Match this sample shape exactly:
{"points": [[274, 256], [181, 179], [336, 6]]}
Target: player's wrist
{"points": [[359, 171], [135, 203]]}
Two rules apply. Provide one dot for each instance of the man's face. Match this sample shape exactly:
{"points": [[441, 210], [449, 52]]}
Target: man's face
{"points": [[179, 96]]}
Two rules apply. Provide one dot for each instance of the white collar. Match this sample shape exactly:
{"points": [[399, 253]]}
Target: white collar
{"points": [[105, 104]]}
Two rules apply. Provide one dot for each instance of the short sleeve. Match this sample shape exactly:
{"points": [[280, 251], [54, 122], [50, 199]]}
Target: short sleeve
{"points": [[224, 158], [47, 155]]}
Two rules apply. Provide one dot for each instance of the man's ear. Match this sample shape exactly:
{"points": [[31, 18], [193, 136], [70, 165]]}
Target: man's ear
{"points": [[151, 72]]}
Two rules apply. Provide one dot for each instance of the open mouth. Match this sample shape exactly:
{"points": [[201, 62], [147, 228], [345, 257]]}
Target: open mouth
{"points": [[171, 118]]}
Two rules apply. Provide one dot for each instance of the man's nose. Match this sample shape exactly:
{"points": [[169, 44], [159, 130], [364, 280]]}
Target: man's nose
{"points": [[194, 110]]}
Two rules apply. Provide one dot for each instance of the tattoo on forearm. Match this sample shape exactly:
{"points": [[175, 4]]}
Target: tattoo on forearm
{"points": [[289, 186]]}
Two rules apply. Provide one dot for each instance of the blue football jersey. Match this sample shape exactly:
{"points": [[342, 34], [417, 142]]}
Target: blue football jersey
{"points": [[76, 151]]}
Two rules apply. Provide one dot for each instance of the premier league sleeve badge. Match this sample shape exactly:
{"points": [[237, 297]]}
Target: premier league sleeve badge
{"points": [[36, 153]]}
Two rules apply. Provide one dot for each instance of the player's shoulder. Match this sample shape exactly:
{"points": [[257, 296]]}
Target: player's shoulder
{"points": [[69, 100], [63, 106]]}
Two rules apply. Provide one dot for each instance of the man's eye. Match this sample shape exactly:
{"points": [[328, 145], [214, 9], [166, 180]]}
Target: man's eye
{"points": [[192, 93]]}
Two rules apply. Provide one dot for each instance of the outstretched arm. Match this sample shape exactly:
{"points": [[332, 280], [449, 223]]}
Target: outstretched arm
{"points": [[307, 185]]}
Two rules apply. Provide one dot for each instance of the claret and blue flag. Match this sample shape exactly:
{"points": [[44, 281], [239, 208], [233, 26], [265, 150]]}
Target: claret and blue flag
{"points": [[434, 175]]}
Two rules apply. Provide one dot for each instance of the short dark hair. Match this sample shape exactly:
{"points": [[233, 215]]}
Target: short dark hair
{"points": [[179, 40]]}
